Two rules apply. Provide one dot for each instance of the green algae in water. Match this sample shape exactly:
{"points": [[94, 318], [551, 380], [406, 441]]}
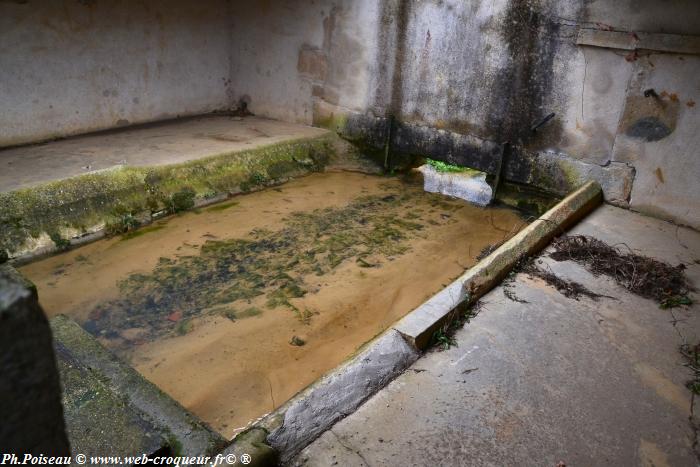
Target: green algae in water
{"points": [[234, 315], [222, 206], [249, 313], [141, 232], [184, 327], [272, 265], [60, 242]]}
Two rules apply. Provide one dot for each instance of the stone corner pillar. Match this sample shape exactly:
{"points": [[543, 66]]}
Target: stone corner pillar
{"points": [[30, 391]]}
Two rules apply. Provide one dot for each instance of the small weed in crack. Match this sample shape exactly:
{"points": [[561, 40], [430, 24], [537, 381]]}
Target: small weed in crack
{"points": [[691, 354], [443, 338]]}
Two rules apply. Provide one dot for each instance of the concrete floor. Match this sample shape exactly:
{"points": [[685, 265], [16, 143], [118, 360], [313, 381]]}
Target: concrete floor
{"points": [[553, 380], [155, 144]]}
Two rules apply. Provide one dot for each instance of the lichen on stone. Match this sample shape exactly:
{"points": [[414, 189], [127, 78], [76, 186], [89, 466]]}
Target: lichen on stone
{"points": [[123, 198]]}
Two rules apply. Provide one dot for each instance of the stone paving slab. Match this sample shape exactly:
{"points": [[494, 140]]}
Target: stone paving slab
{"points": [[154, 144], [547, 380], [98, 420], [112, 410]]}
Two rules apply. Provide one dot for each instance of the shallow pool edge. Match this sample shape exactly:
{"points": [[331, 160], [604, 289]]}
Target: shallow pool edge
{"points": [[314, 410]]}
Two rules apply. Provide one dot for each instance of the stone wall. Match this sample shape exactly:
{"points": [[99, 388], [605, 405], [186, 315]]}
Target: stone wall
{"points": [[70, 66], [450, 79], [287, 53], [455, 80]]}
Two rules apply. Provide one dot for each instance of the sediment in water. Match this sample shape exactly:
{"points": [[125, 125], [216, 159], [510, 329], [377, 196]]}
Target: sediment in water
{"points": [[206, 304]]}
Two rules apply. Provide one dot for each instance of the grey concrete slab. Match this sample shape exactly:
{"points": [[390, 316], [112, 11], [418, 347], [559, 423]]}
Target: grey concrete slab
{"points": [[149, 145], [112, 410], [339, 393], [99, 421], [588, 382]]}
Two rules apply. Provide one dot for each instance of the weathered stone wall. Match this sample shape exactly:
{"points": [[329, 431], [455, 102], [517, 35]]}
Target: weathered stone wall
{"points": [[287, 53], [451, 79], [70, 66], [455, 80]]}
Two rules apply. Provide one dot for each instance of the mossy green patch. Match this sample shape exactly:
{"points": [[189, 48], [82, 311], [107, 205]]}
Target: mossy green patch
{"points": [[249, 313], [449, 168], [175, 446], [181, 200], [60, 242], [676, 301], [571, 175], [304, 316], [184, 327], [118, 197], [143, 231], [529, 201], [222, 206], [121, 224], [227, 312], [333, 121]]}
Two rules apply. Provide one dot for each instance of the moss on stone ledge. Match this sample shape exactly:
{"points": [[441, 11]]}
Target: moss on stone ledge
{"points": [[123, 197]]}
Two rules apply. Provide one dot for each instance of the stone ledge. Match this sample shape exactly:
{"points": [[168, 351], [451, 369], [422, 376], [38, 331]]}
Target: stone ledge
{"points": [[622, 40], [419, 325], [556, 173], [313, 411], [561, 174], [186, 433], [98, 420], [64, 213]]}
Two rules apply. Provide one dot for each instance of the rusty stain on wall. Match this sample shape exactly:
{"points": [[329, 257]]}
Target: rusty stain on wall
{"points": [[650, 118], [659, 175], [312, 63]]}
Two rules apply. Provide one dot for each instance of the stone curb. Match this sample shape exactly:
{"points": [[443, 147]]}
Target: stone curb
{"points": [[310, 413], [30, 390], [82, 194], [253, 443], [418, 326]]}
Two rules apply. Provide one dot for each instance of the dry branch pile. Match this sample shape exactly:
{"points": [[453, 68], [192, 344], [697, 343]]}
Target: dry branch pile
{"points": [[644, 276]]}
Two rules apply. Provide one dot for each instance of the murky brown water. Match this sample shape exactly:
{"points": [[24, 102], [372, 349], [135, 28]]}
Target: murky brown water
{"points": [[205, 305]]}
